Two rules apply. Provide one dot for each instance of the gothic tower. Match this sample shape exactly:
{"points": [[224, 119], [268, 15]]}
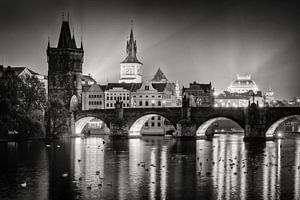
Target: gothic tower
{"points": [[131, 67], [65, 69]]}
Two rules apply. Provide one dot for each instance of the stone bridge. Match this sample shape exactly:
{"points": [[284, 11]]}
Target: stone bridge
{"points": [[257, 123]]}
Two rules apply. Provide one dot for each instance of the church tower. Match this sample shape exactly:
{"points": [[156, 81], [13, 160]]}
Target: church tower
{"points": [[65, 69], [131, 67]]}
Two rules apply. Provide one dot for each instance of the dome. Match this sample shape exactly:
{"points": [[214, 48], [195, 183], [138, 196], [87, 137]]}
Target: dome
{"points": [[243, 84]]}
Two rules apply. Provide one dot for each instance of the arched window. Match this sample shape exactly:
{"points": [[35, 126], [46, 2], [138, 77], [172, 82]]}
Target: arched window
{"points": [[159, 103], [73, 103]]}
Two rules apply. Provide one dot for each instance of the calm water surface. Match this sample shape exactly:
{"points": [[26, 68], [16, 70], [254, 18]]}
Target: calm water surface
{"points": [[151, 168]]}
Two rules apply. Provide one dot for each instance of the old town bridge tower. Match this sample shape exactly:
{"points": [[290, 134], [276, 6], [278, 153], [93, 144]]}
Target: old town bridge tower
{"points": [[65, 69]]}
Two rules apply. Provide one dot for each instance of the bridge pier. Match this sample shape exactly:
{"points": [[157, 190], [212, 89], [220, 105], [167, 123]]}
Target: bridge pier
{"points": [[119, 129], [185, 128], [255, 124]]}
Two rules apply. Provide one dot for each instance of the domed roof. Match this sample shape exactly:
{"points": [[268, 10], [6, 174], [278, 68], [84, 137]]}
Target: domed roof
{"points": [[243, 84]]}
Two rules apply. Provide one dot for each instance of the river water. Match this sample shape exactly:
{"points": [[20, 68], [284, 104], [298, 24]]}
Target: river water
{"points": [[151, 168]]}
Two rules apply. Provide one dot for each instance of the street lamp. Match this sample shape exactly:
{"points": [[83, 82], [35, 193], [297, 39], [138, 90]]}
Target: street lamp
{"points": [[164, 103], [298, 101], [153, 103]]}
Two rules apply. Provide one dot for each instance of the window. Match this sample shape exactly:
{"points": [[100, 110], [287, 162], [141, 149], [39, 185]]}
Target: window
{"points": [[124, 98], [89, 103], [111, 98], [159, 103], [107, 105], [159, 117], [100, 102], [115, 98], [146, 124], [152, 118], [152, 124], [146, 103], [140, 103], [158, 124], [141, 96], [111, 105], [146, 96], [127, 104], [127, 98], [100, 96], [146, 87]]}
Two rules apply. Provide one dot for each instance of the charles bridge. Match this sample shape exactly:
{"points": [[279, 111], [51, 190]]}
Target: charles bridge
{"points": [[258, 123]]}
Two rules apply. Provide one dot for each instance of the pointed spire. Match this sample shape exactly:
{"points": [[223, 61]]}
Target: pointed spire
{"points": [[48, 46], [73, 44], [131, 48], [65, 39], [81, 45]]}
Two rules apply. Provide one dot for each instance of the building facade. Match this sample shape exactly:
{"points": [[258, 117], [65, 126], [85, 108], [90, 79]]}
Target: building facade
{"points": [[240, 93], [199, 94], [118, 92], [93, 97], [243, 84]]}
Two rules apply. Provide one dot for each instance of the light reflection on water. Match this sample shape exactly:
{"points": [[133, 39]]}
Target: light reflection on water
{"points": [[151, 168]]}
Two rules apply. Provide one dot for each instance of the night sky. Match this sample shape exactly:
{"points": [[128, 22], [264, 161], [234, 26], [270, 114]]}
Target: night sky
{"points": [[189, 40]]}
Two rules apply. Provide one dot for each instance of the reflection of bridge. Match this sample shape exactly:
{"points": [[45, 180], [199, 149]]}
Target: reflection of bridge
{"points": [[257, 123]]}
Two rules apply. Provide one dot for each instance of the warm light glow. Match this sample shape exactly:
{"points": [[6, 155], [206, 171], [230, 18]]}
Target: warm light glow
{"points": [[272, 129], [201, 131]]}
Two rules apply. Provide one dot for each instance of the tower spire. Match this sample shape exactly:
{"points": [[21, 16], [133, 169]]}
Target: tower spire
{"points": [[48, 42], [65, 39], [131, 48]]}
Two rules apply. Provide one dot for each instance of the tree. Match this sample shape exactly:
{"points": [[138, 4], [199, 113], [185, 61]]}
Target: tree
{"points": [[32, 95], [10, 86], [55, 116]]}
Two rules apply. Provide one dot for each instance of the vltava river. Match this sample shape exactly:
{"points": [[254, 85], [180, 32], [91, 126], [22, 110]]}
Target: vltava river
{"points": [[151, 168]]}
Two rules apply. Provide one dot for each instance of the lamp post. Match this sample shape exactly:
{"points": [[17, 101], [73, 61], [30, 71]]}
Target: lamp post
{"points": [[298, 101], [153, 103]]}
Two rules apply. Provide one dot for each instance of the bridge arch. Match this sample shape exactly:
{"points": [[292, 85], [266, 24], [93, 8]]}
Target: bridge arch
{"points": [[202, 130], [271, 131], [138, 123], [83, 121]]}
